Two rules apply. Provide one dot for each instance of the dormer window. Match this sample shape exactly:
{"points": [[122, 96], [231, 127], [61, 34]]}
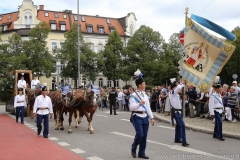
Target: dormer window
{"points": [[112, 28], [64, 16], [83, 19], [53, 24], [108, 21], [10, 15], [75, 18], [62, 25], [56, 15], [101, 29], [46, 14], [18, 15], [5, 27], [89, 28], [0, 18]]}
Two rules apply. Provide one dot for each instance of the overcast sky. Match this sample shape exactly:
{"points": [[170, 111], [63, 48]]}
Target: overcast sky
{"points": [[165, 16]]}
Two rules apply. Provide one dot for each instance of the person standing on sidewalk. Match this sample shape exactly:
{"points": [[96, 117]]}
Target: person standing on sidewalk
{"points": [[192, 94], [141, 112], [19, 104], [42, 108], [112, 100], [175, 102], [216, 109]]}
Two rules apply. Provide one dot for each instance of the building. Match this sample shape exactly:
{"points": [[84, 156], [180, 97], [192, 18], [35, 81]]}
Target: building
{"points": [[95, 30]]}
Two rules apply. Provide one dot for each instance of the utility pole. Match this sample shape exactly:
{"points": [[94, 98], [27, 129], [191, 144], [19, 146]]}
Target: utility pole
{"points": [[79, 68]]}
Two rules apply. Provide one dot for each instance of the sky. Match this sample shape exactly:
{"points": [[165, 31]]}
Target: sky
{"points": [[164, 16]]}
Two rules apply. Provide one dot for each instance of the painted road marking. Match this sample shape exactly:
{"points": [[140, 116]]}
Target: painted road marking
{"points": [[175, 147], [125, 120], [63, 144], [94, 158], [77, 150], [53, 138], [100, 115], [166, 127], [31, 126], [34, 128]]}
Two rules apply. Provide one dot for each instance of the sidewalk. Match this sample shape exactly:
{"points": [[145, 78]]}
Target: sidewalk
{"points": [[20, 142], [230, 129]]}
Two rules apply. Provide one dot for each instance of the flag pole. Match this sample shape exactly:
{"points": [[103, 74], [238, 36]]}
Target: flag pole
{"points": [[184, 88]]}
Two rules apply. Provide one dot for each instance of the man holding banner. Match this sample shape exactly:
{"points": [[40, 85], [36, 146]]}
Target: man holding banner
{"points": [[141, 112]]}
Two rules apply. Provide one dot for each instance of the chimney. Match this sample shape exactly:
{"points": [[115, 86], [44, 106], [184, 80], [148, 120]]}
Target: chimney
{"points": [[41, 7]]}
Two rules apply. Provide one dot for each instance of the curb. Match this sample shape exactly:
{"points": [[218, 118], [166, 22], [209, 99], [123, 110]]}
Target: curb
{"points": [[198, 129]]}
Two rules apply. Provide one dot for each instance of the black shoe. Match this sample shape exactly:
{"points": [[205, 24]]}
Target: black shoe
{"points": [[144, 157], [45, 136], [215, 137], [110, 113], [222, 139], [115, 114], [134, 154], [22, 122], [178, 141], [185, 144], [38, 133]]}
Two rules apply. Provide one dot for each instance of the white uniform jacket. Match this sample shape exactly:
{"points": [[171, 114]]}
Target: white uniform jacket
{"points": [[215, 103], [43, 102], [174, 97], [20, 101], [34, 83], [134, 105], [21, 83]]}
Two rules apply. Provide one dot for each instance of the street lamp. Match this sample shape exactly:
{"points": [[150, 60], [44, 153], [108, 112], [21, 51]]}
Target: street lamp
{"points": [[79, 68]]}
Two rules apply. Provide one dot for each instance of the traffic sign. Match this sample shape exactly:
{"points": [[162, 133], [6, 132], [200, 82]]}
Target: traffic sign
{"points": [[181, 38], [234, 76]]}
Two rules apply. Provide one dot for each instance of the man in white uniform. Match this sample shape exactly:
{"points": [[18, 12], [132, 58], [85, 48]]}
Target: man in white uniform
{"points": [[35, 81], [22, 83]]}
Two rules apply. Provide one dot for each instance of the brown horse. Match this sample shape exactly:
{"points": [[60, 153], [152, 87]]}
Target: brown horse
{"points": [[32, 94], [87, 104], [61, 104]]}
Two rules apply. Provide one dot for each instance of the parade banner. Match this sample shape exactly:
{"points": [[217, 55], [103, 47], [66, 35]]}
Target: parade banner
{"points": [[204, 56]]}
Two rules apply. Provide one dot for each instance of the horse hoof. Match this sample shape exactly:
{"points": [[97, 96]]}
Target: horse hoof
{"points": [[91, 132], [70, 132], [31, 117], [61, 129], [56, 128], [76, 127]]}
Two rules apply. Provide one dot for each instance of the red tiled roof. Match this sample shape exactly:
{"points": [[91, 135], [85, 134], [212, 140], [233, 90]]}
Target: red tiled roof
{"points": [[5, 20]]}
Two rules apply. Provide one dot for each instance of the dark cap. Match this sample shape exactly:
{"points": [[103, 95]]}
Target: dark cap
{"points": [[139, 79], [217, 82], [44, 88], [80, 86], [20, 89]]}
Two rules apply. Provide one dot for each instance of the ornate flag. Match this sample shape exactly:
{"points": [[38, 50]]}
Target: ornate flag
{"points": [[204, 54]]}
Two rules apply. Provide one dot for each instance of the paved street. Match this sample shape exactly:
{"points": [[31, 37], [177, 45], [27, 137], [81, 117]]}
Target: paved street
{"points": [[114, 134]]}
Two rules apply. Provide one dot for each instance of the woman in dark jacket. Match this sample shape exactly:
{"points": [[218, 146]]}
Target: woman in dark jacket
{"points": [[153, 100]]}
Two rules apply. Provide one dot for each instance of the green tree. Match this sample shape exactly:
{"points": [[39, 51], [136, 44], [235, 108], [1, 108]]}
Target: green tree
{"points": [[232, 66], [110, 59], [40, 60], [144, 52], [69, 54]]}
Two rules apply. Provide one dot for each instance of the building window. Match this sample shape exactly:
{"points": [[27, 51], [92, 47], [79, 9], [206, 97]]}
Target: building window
{"points": [[112, 29], [64, 16], [91, 46], [18, 15], [56, 15], [25, 19], [27, 26], [109, 83], [100, 82], [83, 19], [30, 20], [46, 14], [75, 18], [116, 83], [61, 45], [0, 18], [101, 30], [54, 45], [10, 15], [5, 28], [89, 29], [53, 26], [100, 47], [108, 21], [63, 27]]}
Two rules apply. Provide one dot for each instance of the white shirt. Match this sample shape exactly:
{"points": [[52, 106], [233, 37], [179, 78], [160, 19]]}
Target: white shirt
{"points": [[21, 83], [202, 95], [134, 106], [215, 101], [20, 101], [34, 83], [43, 102], [120, 94], [174, 97]]}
